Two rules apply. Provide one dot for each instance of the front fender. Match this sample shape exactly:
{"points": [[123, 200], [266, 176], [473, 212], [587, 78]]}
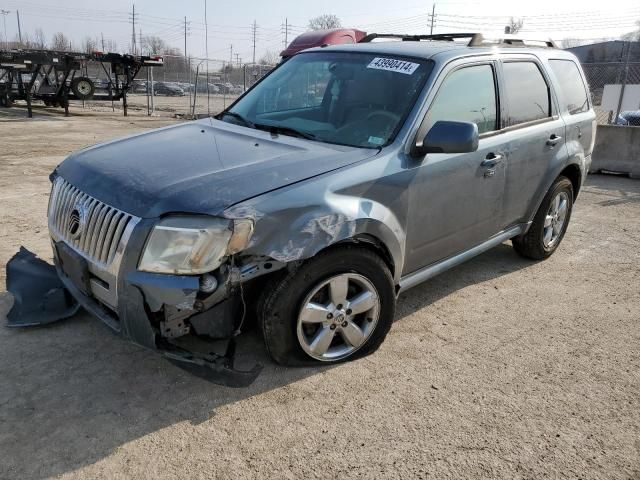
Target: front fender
{"points": [[300, 232]]}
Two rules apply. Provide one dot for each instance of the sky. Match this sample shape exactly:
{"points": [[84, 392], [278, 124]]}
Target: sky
{"points": [[230, 22]]}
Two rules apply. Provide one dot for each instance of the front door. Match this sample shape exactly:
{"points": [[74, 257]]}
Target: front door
{"points": [[455, 200]]}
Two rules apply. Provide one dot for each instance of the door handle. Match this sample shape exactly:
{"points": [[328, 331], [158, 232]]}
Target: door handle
{"points": [[553, 140], [491, 160]]}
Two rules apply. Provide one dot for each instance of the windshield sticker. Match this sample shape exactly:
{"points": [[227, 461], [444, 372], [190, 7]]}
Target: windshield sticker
{"points": [[376, 140], [392, 65]]}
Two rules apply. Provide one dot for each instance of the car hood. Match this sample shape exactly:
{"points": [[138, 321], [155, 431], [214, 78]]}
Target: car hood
{"points": [[198, 167]]}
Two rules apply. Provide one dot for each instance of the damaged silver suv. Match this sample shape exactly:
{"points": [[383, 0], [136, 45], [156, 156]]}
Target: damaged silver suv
{"points": [[346, 176]]}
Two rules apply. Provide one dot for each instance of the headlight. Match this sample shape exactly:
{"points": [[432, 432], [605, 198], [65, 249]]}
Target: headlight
{"points": [[193, 245]]}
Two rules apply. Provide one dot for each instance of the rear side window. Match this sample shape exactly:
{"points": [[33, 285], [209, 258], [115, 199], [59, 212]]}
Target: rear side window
{"points": [[574, 93], [527, 93], [466, 95]]}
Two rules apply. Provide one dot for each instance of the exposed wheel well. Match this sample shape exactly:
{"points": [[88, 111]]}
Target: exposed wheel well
{"points": [[370, 243], [572, 172]]}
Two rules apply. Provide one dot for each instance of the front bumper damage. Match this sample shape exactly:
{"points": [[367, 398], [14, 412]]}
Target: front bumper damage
{"points": [[152, 312]]}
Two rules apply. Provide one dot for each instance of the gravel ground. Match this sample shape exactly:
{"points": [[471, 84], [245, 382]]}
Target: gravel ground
{"points": [[500, 368]]}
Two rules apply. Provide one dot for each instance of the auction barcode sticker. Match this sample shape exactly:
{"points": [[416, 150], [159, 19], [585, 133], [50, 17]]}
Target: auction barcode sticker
{"points": [[393, 65]]}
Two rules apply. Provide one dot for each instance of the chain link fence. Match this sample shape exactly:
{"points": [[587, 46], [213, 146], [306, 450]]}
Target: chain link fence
{"points": [[615, 88], [194, 87], [183, 87]]}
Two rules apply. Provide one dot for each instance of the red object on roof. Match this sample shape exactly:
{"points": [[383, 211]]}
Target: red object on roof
{"points": [[317, 38]]}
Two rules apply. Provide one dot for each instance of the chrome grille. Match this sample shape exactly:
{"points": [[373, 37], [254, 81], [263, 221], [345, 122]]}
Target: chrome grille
{"points": [[91, 227]]}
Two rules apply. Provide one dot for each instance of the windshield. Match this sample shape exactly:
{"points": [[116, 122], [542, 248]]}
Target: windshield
{"points": [[346, 98]]}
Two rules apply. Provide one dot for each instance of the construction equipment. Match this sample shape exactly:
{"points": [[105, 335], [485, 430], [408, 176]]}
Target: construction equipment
{"points": [[56, 77]]}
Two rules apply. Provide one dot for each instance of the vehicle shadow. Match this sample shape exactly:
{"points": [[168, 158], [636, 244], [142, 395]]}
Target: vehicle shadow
{"points": [[72, 393]]}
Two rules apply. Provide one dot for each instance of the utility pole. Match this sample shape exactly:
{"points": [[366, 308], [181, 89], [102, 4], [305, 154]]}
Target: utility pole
{"points": [[206, 49], [255, 28], [231, 55], [140, 32], [287, 28], [185, 37], [102, 39], [19, 29], [134, 48], [433, 16], [237, 59], [4, 18], [187, 60], [624, 80]]}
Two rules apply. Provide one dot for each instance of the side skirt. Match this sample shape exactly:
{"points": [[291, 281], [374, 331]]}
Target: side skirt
{"points": [[430, 271]]}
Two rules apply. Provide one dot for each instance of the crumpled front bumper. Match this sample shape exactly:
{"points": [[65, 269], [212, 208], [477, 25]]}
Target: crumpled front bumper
{"points": [[43, 294]]}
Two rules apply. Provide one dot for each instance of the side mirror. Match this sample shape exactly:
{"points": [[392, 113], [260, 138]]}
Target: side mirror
{"points": [[448, 137]]}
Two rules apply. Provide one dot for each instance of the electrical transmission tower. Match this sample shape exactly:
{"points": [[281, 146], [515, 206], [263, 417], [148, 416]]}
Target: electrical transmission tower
{"points": [[133, 18]]}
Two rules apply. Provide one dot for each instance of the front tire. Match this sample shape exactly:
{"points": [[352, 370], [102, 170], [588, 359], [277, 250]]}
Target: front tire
{"points": [[550, 223], [337, 306]]}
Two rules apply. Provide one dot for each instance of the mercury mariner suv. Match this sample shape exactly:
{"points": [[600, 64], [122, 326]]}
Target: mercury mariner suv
{"points": [[346, 176]]}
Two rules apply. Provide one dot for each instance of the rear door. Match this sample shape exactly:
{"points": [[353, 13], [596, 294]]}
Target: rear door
{"points": [[533, 134], [575, 107]]}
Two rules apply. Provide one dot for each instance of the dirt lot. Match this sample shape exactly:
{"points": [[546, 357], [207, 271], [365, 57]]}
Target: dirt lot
{"points": [[501, 368], [164, 106]]}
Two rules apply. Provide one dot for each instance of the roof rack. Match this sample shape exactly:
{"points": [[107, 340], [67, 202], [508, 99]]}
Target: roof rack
{"points": [[475, 39]]}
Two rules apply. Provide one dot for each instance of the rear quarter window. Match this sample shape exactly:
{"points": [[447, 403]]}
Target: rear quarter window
{"points": [[572, 87], [526, 92]]}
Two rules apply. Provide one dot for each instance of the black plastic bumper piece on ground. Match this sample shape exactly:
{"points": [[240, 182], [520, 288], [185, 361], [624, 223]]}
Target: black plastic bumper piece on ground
{"points": [[39, 295], [214, 368]]}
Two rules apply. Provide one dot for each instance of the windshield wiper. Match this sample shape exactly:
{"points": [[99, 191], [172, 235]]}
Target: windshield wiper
{"points": [[248, 123], [285, 130]]}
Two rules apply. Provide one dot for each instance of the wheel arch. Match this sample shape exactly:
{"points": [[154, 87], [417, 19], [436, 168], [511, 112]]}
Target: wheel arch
{"points": [[571, 171], [574, 174]]}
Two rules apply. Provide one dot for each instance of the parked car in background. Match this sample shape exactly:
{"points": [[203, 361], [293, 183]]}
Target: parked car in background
{"points": [[629, 118], [162, 88], [202, 88], [138, 86]]}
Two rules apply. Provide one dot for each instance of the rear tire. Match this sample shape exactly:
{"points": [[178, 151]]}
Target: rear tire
{"points": [[281, 314], [550, 223]]}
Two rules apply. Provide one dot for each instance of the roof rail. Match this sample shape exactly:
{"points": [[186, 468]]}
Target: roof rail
{"points": [[475, 39], [479, 40], [416, 38]]}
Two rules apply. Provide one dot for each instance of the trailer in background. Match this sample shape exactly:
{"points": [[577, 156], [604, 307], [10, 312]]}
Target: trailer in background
{"points": [[57, 77]]}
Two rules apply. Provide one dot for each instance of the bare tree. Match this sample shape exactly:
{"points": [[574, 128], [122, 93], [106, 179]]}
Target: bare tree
{"points": [[633, 36], [110, 46], [154, 45], [269, 58], [39, 39], [60, 42], [324, 22], [89, 44], [514, 25], [571, 42]]}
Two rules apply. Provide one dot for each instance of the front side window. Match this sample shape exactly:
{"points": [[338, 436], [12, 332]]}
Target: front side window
{"points": [[574, 93], [345, 98], [467, 95], [526, 92]]}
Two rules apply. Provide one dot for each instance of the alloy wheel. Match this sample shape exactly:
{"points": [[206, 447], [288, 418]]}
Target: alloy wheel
{"points": [[555, 219], [338, 316]]}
